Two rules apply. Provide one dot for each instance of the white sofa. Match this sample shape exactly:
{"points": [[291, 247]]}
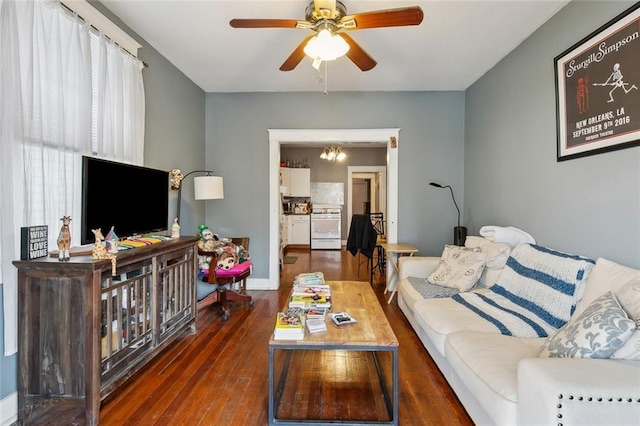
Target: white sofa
{"points": [[501, 379]]}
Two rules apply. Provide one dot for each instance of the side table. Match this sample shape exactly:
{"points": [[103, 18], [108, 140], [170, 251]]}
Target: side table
{"points": [[394, 251]]}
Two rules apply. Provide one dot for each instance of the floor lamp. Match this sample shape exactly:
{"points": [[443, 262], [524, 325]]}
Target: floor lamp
{"points": [[459, 232], [207, 187]]}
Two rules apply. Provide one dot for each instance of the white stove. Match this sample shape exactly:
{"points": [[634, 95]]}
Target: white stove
{"points": [[326, 227]]}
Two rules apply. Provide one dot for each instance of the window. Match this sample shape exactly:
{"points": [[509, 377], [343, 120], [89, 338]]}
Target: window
{"points": [[66, 90]]}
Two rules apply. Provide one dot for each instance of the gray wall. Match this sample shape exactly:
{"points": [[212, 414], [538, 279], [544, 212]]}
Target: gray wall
{"points": [[430, 148], [588, 206], [174, 137]]}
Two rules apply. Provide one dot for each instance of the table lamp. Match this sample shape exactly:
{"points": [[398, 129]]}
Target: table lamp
{"points": [[207, 187]]}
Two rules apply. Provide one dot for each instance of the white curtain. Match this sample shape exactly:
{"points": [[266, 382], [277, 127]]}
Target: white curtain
{"points": [[65, 91]]}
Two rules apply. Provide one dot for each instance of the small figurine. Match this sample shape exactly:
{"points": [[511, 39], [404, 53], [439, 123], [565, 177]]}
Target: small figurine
{"points": [[64, 240], [176, 178], [111, 241], [99, 252], [175, 229]]}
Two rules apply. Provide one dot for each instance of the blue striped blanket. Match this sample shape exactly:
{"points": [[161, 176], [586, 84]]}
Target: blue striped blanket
{"points": [[535, 294]]}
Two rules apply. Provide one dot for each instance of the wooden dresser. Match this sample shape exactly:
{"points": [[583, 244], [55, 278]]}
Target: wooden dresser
{"points": [[83, 332]]}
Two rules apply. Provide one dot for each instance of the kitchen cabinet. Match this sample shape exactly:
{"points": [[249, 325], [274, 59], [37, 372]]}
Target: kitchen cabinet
{"points": [[300, 229], [297, 181]]}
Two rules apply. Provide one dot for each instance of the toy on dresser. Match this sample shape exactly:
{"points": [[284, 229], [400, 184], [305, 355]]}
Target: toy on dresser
{"points": [[64, 239], [99, 252]]}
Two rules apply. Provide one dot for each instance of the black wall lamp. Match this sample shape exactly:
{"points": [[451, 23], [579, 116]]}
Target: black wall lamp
{"points": [[459, 232]]}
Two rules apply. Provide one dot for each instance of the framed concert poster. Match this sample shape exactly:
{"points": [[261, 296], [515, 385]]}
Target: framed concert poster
{"points": [[598, 90]]}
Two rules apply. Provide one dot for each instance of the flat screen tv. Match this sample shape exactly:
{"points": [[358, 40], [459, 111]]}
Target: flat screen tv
{"points": [[132, 199]]}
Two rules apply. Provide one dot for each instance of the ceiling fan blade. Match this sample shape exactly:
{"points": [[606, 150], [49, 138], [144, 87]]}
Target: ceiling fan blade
{"points": [[263, 23], [383, 18], [358, 55], [296, 56], [325, 8]]}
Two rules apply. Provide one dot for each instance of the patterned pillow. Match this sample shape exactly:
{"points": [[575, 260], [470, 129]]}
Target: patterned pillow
{"points": [[497, 255], [602, 328], [629, 298], [459, 267]]}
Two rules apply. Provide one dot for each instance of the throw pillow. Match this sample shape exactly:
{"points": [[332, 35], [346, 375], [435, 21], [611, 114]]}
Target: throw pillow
{"points": [[497, 255], [459, 267], [629, 298], [601, 329], [605, 276], [543, 281]]}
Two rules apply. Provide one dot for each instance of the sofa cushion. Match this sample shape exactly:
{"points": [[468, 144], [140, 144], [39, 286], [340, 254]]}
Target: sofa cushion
{"points": [[596, 333], [441, 317], [606, 275], [497, 255], [459, 267], [629, 298], [408, 293], [487, 363]]}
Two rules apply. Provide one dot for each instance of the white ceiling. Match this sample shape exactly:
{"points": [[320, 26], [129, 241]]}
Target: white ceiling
{"points": [[457, 42]]}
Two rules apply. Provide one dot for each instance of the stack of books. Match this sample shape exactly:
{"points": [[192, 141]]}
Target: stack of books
{"points": [[289, 325], [310, 291]]}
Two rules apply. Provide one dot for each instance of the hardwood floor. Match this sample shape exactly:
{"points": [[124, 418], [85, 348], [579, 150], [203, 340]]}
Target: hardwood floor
{"points": [[218, 376]]}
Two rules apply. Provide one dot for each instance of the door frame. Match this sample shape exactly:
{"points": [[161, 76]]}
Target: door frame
{"points": [[382, 192], [390, 137]]}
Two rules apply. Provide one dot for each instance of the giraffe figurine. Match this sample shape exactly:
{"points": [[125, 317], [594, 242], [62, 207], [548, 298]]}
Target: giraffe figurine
{"points": [[64, 240], [99, 252]]}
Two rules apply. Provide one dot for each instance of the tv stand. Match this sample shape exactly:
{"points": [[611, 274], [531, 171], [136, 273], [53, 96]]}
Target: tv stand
{"points": [[82, 333]]}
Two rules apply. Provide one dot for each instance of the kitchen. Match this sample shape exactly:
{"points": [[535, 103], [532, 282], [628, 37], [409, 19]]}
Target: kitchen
{"points": [[315, 195]]}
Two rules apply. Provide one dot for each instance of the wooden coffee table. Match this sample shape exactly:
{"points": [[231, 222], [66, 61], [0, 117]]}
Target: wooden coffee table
{"points": [[372, 333]]}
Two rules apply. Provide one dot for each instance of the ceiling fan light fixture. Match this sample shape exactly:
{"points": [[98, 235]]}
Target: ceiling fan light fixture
{"points": [[326, 46]]}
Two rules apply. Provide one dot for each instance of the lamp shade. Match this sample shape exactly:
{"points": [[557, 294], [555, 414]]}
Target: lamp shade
{"points": [[326, 46], [208, 188]]}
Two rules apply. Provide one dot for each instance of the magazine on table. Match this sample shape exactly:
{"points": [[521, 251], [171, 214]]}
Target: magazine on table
{"points": [[313, 290], [316, 325], [309, 278], [317, 313], [342, 318]]}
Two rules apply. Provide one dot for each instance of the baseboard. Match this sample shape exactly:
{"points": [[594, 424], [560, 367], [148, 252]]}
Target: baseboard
{"points": [[260, 284], [9, 409]]}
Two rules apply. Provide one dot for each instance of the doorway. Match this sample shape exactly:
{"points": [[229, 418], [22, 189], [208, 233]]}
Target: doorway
{"points": [[322, 137], [375, 181]]}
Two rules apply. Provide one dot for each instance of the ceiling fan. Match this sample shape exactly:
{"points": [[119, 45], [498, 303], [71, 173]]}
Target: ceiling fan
{"points": [[329, 20]]}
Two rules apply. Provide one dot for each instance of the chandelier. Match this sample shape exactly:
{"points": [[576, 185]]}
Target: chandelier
{"points": [[333, 154]]}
